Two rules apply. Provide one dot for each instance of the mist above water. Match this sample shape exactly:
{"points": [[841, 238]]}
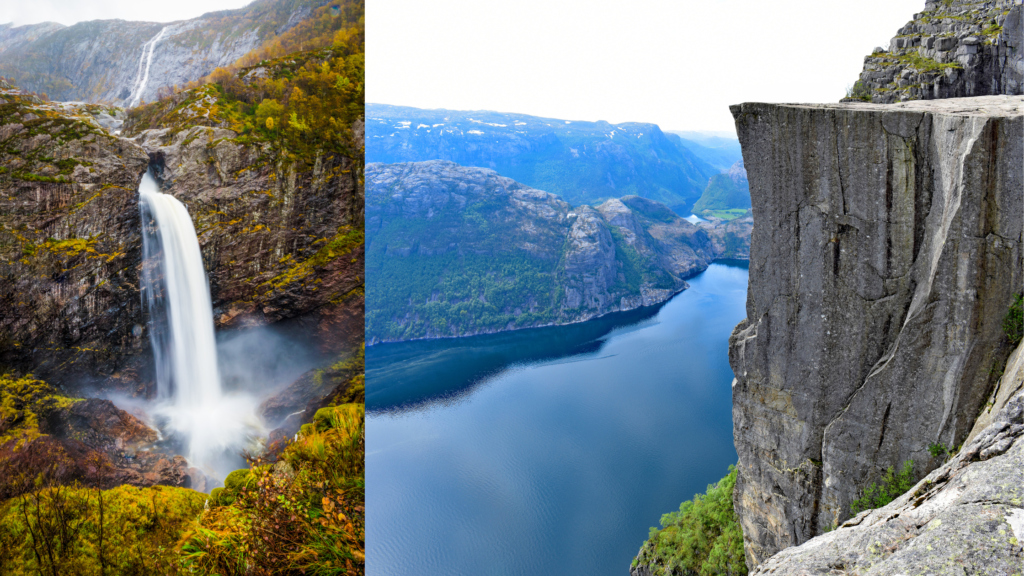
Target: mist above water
{"points": [[213, 427]]}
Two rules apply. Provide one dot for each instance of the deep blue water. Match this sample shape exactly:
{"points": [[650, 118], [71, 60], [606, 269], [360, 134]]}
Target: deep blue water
{"points": [[548, 451]]}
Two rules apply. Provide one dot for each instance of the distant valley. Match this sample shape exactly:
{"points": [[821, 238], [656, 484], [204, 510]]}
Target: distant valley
{"points": [[582, 162], [455, 250], [125, 63]]}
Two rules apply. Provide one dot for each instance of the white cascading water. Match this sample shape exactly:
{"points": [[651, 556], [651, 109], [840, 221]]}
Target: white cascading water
{"points": [[142, 76], [177, 296]]}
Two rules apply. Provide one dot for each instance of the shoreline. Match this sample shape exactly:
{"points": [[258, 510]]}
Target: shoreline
{"points": [[371, 342]]}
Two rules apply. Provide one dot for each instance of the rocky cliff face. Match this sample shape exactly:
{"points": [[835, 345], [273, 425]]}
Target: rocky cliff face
{"points": [[455, 251], [69, 242], [887, 252], [966, 517], [106, 60], [954, 48]]}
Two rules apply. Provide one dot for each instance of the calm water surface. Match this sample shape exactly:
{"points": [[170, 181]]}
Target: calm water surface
{"points": [[548, 451]]}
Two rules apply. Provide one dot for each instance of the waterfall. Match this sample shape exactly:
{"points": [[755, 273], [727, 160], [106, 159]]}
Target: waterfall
{"points": [[142, 76], [177, 297]]}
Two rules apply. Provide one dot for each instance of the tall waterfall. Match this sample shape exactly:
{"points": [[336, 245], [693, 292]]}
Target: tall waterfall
{"points": [[177, 296], [142, 76]]}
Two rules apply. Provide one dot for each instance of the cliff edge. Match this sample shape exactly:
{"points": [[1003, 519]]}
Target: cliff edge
{"points": [[888, 250]]}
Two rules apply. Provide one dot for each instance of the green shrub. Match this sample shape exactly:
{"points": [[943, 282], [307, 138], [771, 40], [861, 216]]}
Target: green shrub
{"points": [[938, 449], [703, 538], [1013, 323], [300, 515], [859, 91], [893, 485]]}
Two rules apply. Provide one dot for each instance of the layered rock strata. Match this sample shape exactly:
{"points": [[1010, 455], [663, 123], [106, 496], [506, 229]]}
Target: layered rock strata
{"points": [[69, 242], [887, 252], [952, 49]]}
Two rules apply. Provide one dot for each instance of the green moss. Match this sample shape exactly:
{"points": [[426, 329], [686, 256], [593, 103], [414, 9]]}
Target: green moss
{"points": [[58, 530], [343, 244], [24, 402], [922, 64], [1013, 322], [307, 516]]}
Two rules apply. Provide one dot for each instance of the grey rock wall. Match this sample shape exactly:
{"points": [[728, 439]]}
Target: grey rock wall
{"points": [[887, 251], [967, 517]]}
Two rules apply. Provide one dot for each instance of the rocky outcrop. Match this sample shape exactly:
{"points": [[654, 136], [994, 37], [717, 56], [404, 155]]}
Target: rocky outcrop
{"points": [[280, 239], [730, 239], [952, 49], [46, 437], [887, 252], [69, 244], [966, 517], [104, 60], [463, 238]]}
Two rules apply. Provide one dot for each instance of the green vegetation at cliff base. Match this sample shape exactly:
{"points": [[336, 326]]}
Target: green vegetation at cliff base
{"points": [[703, 538]]}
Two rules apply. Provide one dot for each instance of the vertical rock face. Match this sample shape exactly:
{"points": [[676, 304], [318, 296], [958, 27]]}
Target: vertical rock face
{"points": [[965, 518], [887, 251], [952, 49]]}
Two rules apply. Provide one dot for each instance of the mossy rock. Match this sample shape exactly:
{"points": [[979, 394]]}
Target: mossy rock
{"points": [[215, 495], [345, 418], [239, 479]]}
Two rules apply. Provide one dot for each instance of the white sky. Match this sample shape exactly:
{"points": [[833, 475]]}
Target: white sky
{"points": [[69, 12], [678, 63]]}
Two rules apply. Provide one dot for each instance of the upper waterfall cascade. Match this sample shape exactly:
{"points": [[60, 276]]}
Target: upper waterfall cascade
{"points": [[142, 78]]}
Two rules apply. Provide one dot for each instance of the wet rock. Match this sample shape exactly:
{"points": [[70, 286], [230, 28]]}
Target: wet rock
{"points": [[267, 229], [69, 246]]}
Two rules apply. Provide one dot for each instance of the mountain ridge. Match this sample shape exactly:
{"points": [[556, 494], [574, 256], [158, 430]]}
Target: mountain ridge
{"points": [[456, 251], [581, 161]]}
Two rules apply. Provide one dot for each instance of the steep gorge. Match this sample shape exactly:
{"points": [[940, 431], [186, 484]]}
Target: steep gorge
{"points": [[888, 251]]}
